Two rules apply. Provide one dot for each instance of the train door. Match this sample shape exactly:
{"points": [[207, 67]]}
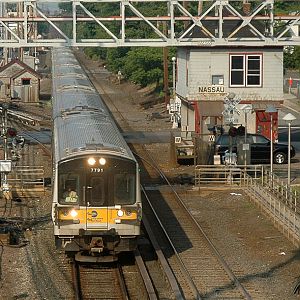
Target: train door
{"points": [[96, 201]]}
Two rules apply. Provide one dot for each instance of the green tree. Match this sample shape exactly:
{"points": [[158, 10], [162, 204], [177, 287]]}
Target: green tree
{"points": [[144, 65]]}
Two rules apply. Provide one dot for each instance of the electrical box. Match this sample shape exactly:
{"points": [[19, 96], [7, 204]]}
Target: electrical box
{"points": [[243, 153]]}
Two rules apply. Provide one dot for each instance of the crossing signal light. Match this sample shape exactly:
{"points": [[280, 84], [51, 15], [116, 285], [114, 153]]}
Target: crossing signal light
{"points": [[233, 131], [11, 132]]}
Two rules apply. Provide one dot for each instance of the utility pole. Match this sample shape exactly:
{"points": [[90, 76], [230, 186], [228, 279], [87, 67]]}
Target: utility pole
{"points": [[5, 165], [166, 70]]}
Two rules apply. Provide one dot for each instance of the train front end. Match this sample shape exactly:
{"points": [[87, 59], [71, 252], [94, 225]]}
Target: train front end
{"points": [[97, 206]]}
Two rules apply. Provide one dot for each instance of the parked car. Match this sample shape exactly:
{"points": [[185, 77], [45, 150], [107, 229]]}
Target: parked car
{"points": [[260, 148]]}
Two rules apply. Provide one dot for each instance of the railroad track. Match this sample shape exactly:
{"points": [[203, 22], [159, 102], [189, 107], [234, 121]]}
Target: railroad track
{"points": [[126, 279], [199, 267], [97, 281], [47, 152], [45, 269]]}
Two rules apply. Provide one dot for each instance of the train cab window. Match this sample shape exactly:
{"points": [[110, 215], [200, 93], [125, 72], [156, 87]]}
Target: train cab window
{"points": [[124, 189], [68, 189], [97, 191]]}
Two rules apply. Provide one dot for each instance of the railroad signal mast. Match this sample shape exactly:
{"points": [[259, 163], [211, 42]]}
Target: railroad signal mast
{"points": [[17, 143]]}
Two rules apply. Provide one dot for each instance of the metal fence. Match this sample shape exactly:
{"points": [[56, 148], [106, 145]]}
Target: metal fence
{"points": [[280, 205], [226, 174], [273, 196], [27, 180]]}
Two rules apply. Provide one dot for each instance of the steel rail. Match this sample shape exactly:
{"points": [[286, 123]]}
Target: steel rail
{"points": [[145, 275], [213, 248], [167, 269], [97, 279], [76, 280], [190, 279], [41, 145], [168, 272], [122, 282]]}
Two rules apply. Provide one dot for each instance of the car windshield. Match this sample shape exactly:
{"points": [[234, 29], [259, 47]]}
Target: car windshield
{"points": [[225, 139], [258, 139]]}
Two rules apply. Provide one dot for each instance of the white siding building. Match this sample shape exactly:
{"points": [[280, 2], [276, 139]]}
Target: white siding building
{"points": [[207, 75]]}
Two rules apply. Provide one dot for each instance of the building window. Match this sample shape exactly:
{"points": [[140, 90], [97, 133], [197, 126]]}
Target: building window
{"points": [[217, 79], [245, 70], [25, 81]]}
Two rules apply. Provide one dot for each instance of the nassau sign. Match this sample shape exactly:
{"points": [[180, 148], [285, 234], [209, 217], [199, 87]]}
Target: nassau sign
{"points": [[213, 89]]}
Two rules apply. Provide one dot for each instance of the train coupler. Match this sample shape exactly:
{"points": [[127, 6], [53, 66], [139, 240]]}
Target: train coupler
{"points": [[97, 245]]}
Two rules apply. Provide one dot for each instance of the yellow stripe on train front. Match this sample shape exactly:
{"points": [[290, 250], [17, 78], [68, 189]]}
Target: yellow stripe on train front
{"points": [[96, 215]]}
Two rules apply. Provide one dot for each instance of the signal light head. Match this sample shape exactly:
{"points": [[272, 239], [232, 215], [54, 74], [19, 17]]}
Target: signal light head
{"points": [[11, 132]]}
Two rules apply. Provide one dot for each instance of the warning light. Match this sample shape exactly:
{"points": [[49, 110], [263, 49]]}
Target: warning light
{"points": [[11, 132], [233, 131]]}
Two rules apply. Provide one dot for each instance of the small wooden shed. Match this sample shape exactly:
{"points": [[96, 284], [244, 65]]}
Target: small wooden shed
{"points": [[19, 81]]}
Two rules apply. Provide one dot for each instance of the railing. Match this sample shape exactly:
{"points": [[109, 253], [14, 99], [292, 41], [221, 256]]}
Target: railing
{"points": [[280, 188], [226, 174], [272, 195], [27, 180], [282, 210]]}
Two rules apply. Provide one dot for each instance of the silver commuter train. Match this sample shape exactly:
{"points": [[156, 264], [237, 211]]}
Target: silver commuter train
{"points": [[96, 185]]}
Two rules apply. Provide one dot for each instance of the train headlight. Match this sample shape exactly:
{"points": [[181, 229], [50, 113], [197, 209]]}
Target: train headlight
{"points": [[120, 213], [91, 161], [102, 161], [73, 213]]}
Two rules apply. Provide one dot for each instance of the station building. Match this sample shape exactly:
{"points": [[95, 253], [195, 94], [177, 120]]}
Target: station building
{"points": [[19, 82], [206, 76]]}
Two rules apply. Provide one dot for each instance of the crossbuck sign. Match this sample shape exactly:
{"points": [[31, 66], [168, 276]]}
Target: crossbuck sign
{"points": [[230, 111]]}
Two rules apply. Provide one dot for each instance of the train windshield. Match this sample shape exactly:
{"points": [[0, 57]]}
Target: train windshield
{"points": [[124, 182], [69, 188], [124, 189], [98, 185]]}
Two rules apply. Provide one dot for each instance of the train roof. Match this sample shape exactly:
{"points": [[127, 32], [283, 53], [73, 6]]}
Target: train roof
{"points": [[82, 122]]}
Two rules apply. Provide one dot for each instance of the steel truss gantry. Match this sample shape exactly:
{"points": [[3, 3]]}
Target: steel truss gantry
{"points": [[215, 23]]}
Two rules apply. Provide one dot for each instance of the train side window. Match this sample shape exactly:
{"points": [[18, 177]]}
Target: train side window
{"points": [[124, 189]]}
